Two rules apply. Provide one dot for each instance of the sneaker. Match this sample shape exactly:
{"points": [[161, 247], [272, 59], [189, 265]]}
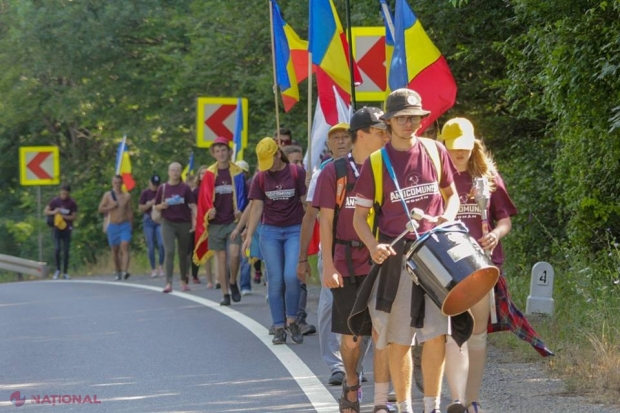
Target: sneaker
{"points": [[257, 277], [279, 336], [336, 378], [456, 407], [196, 280], [416, 354], [234, 292], [245, 292], [168, 289], [307, 329], [295, 332], [154, 274], [126, 275], [160, 273], [185, 288], [225, 300], [117, 276], [66, 277], [217, 286], [392, 396], [272, 330], [56, 275]]}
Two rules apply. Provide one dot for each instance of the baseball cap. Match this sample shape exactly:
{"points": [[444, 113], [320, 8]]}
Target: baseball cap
{"points": [[458, 133], [366, 117], [220, 140], [243, 165], [339, 126], [404, 102], [155, 179], [265, 150]]}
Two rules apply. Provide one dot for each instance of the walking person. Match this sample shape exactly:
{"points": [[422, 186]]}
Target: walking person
{"points": [[61, 213], [472, 161], [117, 205], [152, 229], [222, 201], [176, 202], [398, 308], [346, 261], [276, 195]]}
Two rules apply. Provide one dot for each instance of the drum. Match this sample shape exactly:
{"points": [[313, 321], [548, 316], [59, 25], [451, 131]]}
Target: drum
{"points": [[451, 267]]}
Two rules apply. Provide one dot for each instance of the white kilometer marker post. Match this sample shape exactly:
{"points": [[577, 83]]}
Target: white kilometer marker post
{"points": [[540, 300]]}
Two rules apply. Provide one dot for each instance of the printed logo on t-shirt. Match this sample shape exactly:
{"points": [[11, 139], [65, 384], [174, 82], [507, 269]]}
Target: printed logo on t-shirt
{"points": [[279, 194], [350, 202], [468, 211], [415, 193], [224, 188], [175, 200]]}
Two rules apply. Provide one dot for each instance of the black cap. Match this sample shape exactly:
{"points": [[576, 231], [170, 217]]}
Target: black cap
{"points": [[366, 117], [155, 179], [404, 102]]}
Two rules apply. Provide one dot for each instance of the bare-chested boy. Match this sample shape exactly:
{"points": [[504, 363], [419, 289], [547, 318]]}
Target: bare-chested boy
{"points": [[117, 204]]}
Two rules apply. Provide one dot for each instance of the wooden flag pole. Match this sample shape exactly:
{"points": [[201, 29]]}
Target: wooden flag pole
{"points": [[273, 61], [121, 151], [309, 153]]}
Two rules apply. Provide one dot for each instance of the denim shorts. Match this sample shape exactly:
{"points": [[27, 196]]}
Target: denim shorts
{"points": [[118, 233]]}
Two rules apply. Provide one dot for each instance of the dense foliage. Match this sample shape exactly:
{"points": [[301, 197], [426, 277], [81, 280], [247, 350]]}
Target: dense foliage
{"points": [[540, 80]]}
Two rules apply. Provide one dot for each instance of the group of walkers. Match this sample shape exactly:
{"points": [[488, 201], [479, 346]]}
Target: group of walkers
{"points": [[379, 170]]}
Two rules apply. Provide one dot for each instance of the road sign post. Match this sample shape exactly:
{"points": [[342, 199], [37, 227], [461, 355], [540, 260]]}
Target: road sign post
{"points": [[39, 165], [540, 300]]}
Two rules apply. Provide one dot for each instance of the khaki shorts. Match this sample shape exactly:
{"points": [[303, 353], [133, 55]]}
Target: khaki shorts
{"points": [[219, 235], [395, 327]]}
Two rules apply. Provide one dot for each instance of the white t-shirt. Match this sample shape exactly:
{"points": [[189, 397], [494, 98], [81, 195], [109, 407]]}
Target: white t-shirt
{"points": [[312, 186]]}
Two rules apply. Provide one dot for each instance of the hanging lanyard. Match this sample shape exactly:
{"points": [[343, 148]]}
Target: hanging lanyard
{"points": [[353, 166], [390, 169]]}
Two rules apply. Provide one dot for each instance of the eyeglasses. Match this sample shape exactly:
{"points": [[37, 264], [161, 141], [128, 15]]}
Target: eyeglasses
{"points": [[285, 142], [402, 120]]}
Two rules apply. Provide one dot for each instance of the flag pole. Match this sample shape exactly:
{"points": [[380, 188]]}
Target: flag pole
{"points": [[309, 168], [351, 62], [121, 151], [273, 61], [388, 17]]}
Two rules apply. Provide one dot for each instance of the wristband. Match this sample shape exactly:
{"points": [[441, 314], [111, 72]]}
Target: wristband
{"points": [[301, 261]]}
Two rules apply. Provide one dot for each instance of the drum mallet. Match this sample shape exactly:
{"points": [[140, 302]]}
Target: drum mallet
{"points": [[418, 215], [482, 195]]}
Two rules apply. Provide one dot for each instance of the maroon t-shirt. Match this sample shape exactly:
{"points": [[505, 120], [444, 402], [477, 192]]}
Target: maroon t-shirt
{"points": [[67, 207], [325, 197], [281, 194], [418, 181], [178, 197], [223, 202], [147, 195], [500, 206]]}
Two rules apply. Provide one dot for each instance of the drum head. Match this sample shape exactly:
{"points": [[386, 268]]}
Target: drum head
{"points": [[470, 290]]}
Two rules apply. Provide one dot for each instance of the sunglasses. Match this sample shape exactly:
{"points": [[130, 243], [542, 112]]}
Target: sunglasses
{"points": [[285, 142]]}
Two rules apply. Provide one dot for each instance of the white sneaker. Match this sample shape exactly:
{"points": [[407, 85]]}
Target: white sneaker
{"points": [[161, 272], [154, 274], [66, 277], [56, 275], [246, 292]]}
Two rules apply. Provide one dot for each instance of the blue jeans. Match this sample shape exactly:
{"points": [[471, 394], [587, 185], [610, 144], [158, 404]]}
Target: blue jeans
{"points": [[152, 234], [246, 272], [280, 250]]}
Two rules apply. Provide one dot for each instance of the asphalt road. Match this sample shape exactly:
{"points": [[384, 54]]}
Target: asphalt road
{"points": [[138, 350]]}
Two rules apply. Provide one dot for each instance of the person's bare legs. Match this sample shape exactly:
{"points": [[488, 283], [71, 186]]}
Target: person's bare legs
{"points": [[400, 363], [209, 273], [234, 250], [477, 347], [124, 256], [433, 357], [116, 258], [350, 352], [382, 374], [221, 270]]}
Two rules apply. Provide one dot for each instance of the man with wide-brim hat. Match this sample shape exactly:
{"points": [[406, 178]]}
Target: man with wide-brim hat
{"points": [[422, 178]]}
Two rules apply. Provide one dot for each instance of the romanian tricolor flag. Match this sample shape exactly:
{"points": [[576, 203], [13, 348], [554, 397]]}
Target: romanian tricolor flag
{"points": [[388, 21], [123, 166], [291, 58], [417, 64], [189, 168]]}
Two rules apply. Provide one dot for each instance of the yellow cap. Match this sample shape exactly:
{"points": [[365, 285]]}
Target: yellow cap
{"points": [[59, 222], [339, 126], [458, 134], [265, 150]]}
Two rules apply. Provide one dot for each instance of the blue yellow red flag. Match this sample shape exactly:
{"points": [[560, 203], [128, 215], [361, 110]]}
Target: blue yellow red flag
{"points": [[418, 64], [291, 54], [123, 165], [189, 168], [237, 141]]}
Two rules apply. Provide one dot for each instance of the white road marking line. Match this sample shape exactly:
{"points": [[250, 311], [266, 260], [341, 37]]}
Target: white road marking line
{"points": [[322, 400]]}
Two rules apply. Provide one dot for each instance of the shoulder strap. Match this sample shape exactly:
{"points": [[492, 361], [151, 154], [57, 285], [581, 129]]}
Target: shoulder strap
{"points": [[113, 195], [293, 171], [376, 163], [341, 181], [433, 153], [163, 192]]}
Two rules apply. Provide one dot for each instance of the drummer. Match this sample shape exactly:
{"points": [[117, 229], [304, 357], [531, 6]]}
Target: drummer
{"points": [[398, 308]]}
